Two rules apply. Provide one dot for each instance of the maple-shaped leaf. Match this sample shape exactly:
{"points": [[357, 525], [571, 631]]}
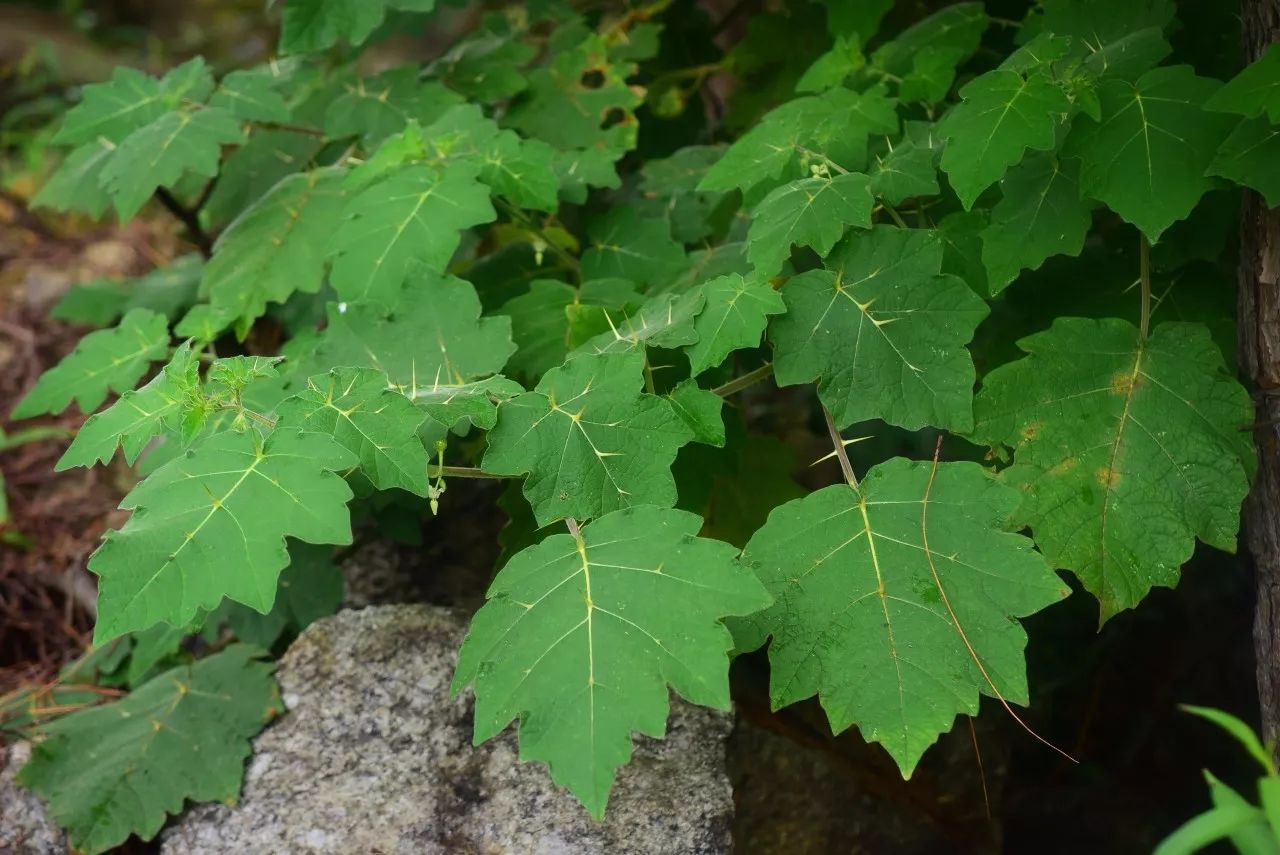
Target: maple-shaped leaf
{"points": [[476, 402], [414, 216], [435, 337], [664, 320], [1100, 22], [580, 638], [375, 107], [581, 101], [485, 66], [168, 290], [1251, 157], [1126, 452], [831, 128], [735, 316], [76, 185], [131, 100], [882, 332], [1254, 91], [956, 29], [139, 416], [204, 323], [1003, 114], [908, 168], [157, 155], [1146, 159], [552, 318], [212, 523], [375, 423], [897, 603], [1040, 214], [124, 767], [590, 441], [624, 245], [521, 170], [111, 360], [250, 94], [255, 168], [313, 25], [833, 67], [277, 246], [810, 212]]}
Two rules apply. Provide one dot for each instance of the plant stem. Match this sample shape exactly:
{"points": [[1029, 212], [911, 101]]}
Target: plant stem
{"points": [[573, 528], [894, 215], [520, 217], [737, 384], [845, 466], [461, 472], [188, 218], [282, 126], [1144, 279]]}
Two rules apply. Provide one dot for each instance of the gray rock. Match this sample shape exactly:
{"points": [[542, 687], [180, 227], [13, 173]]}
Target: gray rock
{"points": [[374, 756], [25, 825]]}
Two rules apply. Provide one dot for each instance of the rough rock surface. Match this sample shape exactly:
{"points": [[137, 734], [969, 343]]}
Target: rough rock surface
{"points": [[374, 756], [25, 825]]}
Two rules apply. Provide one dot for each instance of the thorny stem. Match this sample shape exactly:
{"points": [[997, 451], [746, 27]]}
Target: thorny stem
{"points": [[737, 384], [841, 455], [1144, 279], [573, 528]]}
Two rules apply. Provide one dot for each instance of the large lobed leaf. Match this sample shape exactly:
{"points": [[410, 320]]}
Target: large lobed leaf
{"points": [[581, 637], [1125, 451], [123, 768], [896, 602]]}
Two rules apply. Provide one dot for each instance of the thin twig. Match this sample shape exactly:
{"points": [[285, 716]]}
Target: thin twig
{"points": [[737, 384], [841, 454], [188, 218], [282, 126], [461, 472]]}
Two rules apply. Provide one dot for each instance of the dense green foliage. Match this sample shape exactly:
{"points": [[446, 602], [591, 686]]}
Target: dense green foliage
{"points": [[532, 258]]}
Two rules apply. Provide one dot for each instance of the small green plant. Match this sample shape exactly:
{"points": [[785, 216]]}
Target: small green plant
{"points": [[534, 259], [1251, 830]]}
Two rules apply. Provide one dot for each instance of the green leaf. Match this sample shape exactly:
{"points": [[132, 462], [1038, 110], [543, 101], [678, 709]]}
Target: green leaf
{"points": [[1003, 114], [124, 767], [310, 588], [1125, 452], [160, 153], [485, 66], [1101, 22], [589, 440], [256, 167], [1209, 827], [897, 604], [625, 245], [1040, 214], [909, 168], [957, 28], [250, 95], [810, 212], [1239, 731], [111, 360], [1146, 159], [631, 606], [831, 68], [276, 247], [700, 409], [553, 318], [77, 184], [735, 316], [665, 320], [313, 25], [131, 100], [436, 337], [521, 170], [98, 303], [1254, 91], [373, 108], [139, 416], [819, 130], [670, 184], [882, 332], [415, 216], [204, 323], [1255, 838], [1251, 157], [377, 424], [476, 402], [212, 522]]}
